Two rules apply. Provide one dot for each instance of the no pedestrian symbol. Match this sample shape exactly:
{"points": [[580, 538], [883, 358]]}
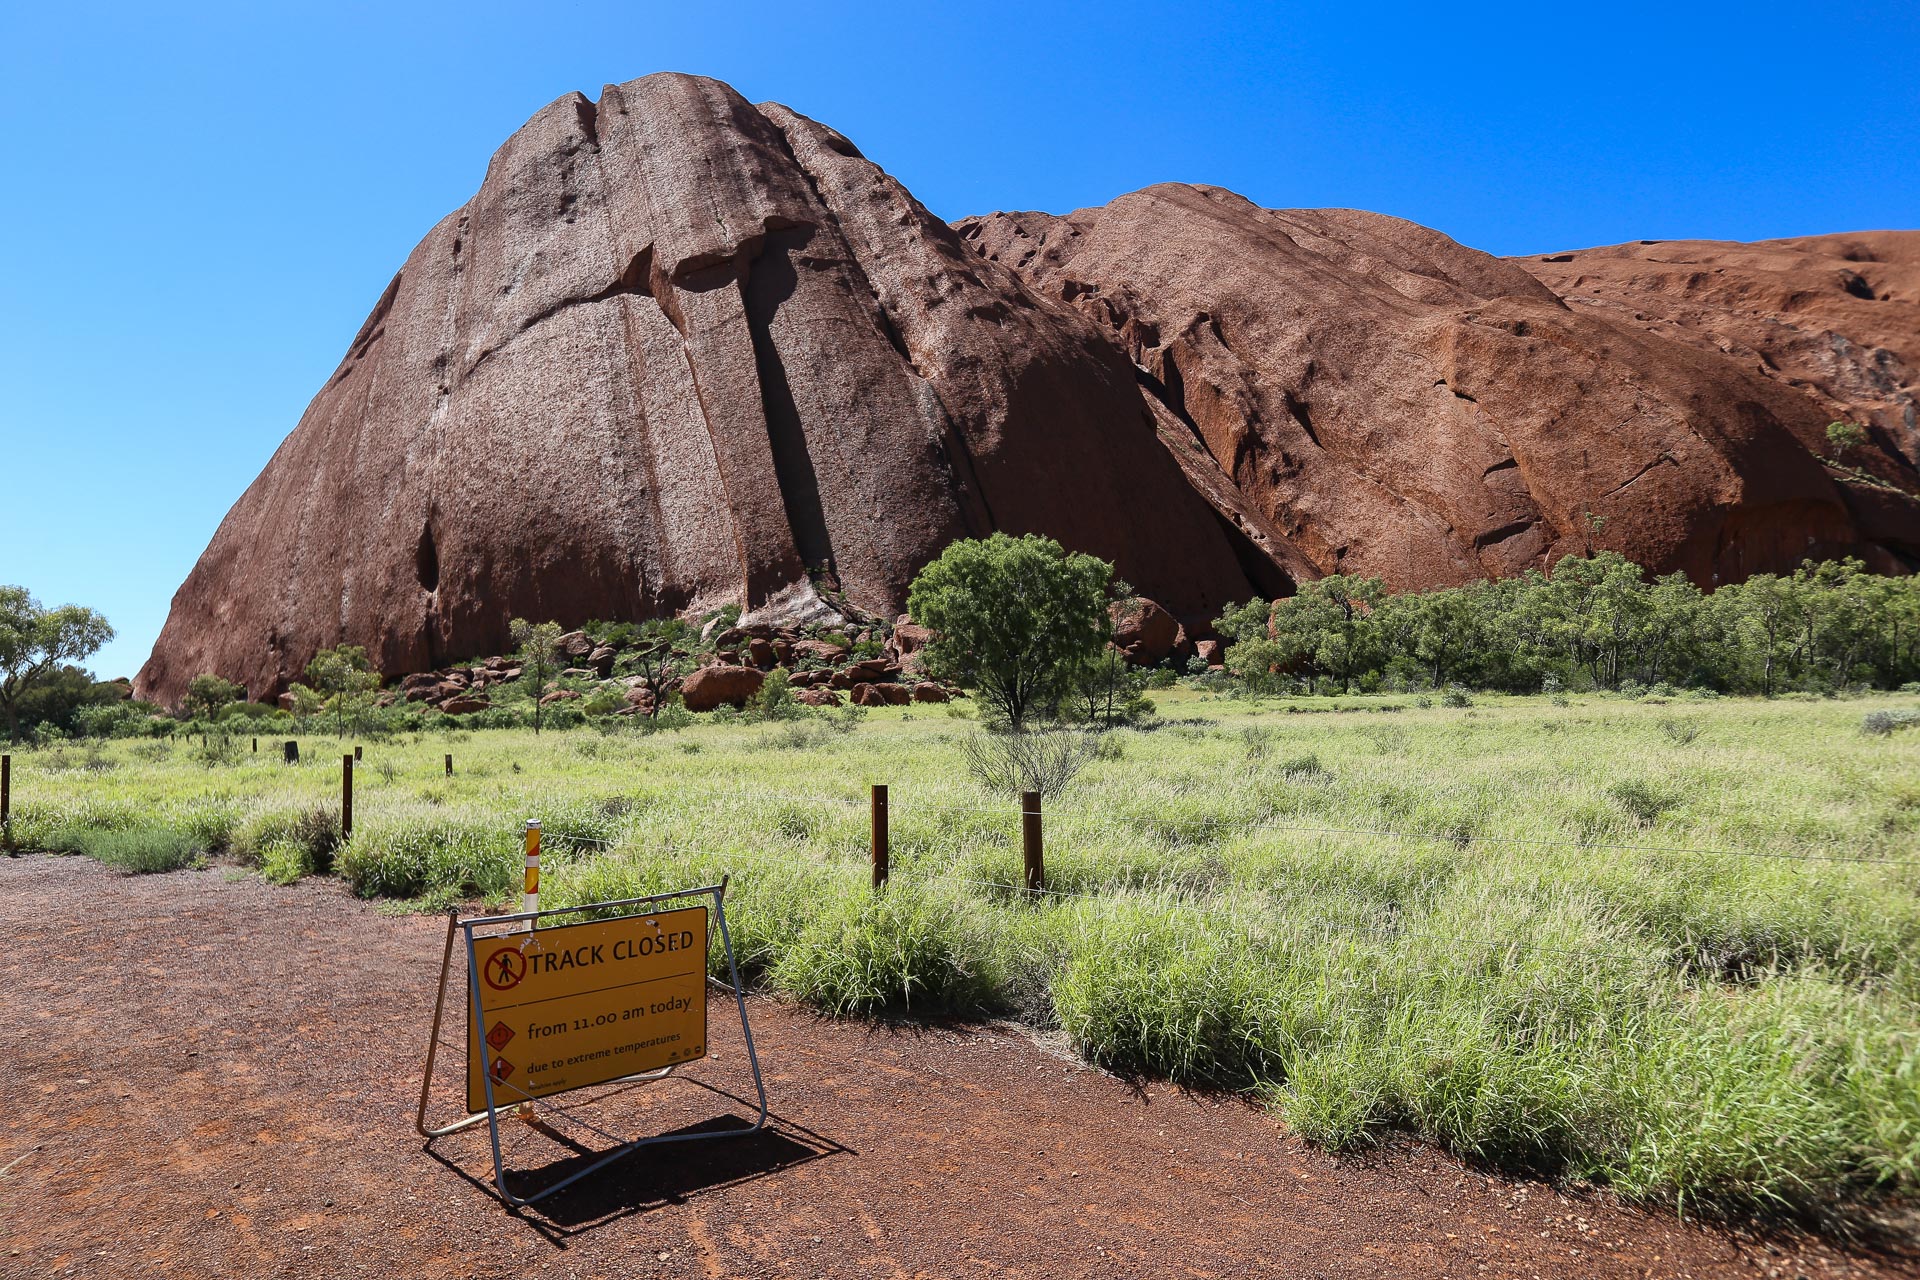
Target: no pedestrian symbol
{"points": [[505, 970]]}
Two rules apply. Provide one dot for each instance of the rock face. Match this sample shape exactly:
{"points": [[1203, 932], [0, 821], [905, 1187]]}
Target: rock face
{"points": [[680, 351], [1834, 317], [1396, 404]]}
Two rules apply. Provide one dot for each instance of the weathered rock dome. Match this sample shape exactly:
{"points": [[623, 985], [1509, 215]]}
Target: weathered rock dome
{"points": [[680, 351]]}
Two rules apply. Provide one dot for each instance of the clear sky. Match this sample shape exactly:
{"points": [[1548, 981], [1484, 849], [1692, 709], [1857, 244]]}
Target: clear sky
{"points": [[199, 204]]}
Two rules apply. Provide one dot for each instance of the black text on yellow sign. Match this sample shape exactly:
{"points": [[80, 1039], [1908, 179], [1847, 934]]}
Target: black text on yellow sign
{"points": [[582, 1004]]}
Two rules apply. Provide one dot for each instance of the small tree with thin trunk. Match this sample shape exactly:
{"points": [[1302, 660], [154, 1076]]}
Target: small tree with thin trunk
{"points": [[539, 656], [35, 641], [209, 695], [658, 658], [340, 680], [1014, 618]]}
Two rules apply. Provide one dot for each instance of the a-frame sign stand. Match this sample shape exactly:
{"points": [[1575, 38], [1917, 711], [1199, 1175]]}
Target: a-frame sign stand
{"points": [[616, 996]]}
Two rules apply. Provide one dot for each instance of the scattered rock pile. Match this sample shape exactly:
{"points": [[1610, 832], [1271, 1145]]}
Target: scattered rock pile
{"points": [[824, 669]]}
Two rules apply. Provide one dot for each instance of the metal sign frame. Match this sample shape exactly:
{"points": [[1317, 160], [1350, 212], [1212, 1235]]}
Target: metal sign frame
{"points": [[491, 1116]]}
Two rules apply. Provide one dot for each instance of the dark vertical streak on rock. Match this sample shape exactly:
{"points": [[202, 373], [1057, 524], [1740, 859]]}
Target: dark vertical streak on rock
{"points": [[772, 282]]}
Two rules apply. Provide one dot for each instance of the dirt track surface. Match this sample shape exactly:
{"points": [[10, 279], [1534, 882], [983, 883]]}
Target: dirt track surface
{"points": [[212, 1076]]}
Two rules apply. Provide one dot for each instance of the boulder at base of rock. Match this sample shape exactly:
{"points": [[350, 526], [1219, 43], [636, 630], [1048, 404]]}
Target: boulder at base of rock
{"points": [[895, 695], [1145, 632], [824, 650], [868, 695], [575, 644], [1211, 652], [818, 697], [927, 691], [558, 695], [760, 653], [464, 706], [908, 637], [601, 660], [710, 686], [640, 700]]}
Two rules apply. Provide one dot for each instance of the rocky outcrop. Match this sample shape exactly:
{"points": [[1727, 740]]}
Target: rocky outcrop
{"points": [[680, 352], [1396, 404], [677, 352]]}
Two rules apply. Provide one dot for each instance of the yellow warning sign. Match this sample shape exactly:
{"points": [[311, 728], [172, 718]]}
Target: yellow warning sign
{"points": [[581, 1004]]}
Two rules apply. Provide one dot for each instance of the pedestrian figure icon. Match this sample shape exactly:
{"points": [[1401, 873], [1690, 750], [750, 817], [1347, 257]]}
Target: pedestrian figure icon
{"points": [[505, 970]]}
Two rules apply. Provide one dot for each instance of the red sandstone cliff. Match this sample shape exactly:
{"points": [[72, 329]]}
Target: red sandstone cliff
{"points": [[1398, 404], [680, 351]]}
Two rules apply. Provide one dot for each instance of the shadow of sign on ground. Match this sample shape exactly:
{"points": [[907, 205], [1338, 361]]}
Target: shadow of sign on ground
{"points": [[557, 1141]]}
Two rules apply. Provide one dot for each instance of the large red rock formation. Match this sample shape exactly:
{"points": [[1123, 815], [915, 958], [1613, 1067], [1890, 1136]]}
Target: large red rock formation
{"points": [[1400, 405], [1835, 317], [680, 351]]}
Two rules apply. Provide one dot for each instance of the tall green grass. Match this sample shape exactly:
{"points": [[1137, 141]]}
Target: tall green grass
{"points": [[1667, 947]]}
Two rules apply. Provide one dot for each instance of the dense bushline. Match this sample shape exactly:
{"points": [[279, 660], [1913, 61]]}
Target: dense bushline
{"points": [[1593, 622]]}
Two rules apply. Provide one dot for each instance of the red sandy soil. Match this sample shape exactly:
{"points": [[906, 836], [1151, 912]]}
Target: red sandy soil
{"points": [[213, 1076]]}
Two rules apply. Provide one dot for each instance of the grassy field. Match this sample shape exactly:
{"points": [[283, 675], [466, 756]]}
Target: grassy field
{"points": [[1668, 947]]}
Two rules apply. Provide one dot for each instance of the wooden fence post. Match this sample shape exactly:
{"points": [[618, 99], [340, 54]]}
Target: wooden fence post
{"points": [[6, 798], [449, 764], [256, 746], [880, 849], [356, 755], [291, 752], [1030, 842], [346, 798]]}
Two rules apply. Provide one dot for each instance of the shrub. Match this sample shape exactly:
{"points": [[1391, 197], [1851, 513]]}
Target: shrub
{"points": [[141, 850], [1679, 732], [1011, 763], [911, 947], [775, 701], [1879, 724], [1455, 696], [1643, 802]]}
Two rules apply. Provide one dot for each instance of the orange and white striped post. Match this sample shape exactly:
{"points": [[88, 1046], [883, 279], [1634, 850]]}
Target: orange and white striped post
{"points": [[531, 902]]}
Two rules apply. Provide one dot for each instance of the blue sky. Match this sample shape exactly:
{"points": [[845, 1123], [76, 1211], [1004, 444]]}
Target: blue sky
{"points": [[200, 206]]}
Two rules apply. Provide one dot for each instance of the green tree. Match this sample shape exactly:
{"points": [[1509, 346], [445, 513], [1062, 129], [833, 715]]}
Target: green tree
{"points": [[1443, 630], [1598, 612], [659, 657], [340, 680], [1013, 618], [1761, 615], [1844, 437], [1329, 627], [34, 641], [1110, 691], [209, 695], [539, 655]]}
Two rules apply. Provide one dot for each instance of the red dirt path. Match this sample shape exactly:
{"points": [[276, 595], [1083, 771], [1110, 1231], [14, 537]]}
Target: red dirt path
{"points": [[213, 1076]]}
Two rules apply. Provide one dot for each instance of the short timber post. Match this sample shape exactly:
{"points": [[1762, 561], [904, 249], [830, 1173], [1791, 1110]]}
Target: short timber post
{"points": [[356, 755], [1030, 841], [346, 797], [256, 746], [879, 835], [292, 752], [6, 800], [449, 764]]}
